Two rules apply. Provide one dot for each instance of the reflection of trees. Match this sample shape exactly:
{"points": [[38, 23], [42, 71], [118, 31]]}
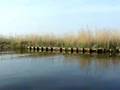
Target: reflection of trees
{"points": [[106, 61], [42, 54], [100, 61], [85, 61]]}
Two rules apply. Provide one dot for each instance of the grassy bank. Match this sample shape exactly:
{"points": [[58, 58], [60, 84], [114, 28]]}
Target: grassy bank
{"points": [[101, 39]]}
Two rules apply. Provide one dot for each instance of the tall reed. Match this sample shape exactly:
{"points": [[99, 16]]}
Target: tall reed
{"points": [[84, 38]]}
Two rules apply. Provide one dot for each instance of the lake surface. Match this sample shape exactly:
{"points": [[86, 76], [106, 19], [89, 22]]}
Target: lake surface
{"points": [[59, 72]]}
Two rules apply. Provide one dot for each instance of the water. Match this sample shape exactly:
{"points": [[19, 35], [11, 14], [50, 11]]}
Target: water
{"points": [[59, 72]]}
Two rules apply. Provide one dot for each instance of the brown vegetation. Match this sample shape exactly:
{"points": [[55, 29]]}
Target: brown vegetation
{"points": [[99, 39]]}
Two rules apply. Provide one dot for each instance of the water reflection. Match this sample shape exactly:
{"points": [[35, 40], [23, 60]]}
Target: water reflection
{"points": [[103, 61], [54, 71]]}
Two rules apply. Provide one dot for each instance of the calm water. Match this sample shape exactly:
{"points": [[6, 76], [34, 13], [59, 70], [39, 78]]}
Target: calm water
{"points": [[59, 72]]}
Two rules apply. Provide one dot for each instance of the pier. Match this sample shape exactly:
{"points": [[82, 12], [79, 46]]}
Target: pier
{"points": [[72, 49]]}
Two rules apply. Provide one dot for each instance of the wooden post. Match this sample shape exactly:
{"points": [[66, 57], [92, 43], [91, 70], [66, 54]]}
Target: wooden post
{"points": [[80, 49], [87, 50], [93, 50], [100, 50], [69, 49], [39, 48], [74, 49], [60, 49], [63, 49], [44, 49], [49, 48]]}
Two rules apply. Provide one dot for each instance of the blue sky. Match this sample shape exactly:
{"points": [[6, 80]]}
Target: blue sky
{"points": [[57, 16]]}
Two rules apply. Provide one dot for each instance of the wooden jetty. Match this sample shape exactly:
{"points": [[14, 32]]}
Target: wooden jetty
{"points": [[72, 49]]}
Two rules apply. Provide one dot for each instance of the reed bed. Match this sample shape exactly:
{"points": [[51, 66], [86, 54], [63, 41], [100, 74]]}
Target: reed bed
{"points": [[84, 39]]}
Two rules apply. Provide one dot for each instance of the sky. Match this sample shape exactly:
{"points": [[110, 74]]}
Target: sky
{"points": [[57, 16]]}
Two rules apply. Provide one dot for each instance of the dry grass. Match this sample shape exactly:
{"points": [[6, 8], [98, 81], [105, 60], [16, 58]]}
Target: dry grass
{"points": [[103, 39]]}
